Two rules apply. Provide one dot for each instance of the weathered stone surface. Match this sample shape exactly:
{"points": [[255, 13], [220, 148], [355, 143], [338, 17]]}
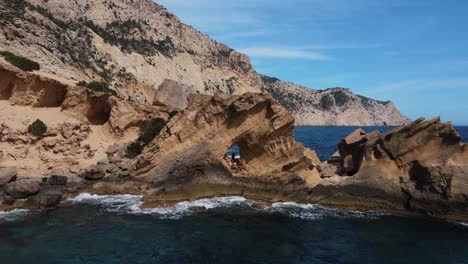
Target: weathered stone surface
{"points": [[174, 94], [95, 172], [7, 174], [193, 147], [57, 180], [422, 167], [49, 196], [22, 188]]}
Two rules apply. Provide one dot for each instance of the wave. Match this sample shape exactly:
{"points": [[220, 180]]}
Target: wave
{"points": [[13, 215], [131, 204]]}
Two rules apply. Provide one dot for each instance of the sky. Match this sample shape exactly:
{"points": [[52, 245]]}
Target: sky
{"points": [[412, 52]]}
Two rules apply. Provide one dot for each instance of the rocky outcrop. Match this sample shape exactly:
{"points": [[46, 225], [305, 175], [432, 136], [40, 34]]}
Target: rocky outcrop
{"points": [[422, 167], [22, 188], [332, 107], [137, 47], [192, 150]]}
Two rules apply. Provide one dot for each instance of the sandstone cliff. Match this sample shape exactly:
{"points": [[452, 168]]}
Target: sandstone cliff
{"points": [[421, 167], [136, 46]]}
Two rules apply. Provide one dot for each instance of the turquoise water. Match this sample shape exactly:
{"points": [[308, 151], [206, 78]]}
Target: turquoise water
{"points": [[112, 229]]}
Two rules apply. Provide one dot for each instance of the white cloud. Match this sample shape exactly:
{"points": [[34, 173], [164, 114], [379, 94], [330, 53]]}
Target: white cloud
{"points": [[284, 53]]}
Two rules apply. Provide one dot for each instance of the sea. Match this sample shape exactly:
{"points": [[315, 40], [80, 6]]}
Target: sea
{"points": [[113, 229]]}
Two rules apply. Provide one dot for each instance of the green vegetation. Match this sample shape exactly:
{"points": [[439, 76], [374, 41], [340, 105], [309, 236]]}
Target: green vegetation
{"points": [[150, 129], [172, 114], [126, 35], [23, 63], [38, 128], [341, 98], [326, 103], [97, 87], [134, 149]]}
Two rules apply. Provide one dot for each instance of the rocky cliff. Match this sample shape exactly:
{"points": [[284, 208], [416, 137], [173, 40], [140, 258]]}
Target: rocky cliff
{"points": [[332, 107], [420, 168], [137, 46]]}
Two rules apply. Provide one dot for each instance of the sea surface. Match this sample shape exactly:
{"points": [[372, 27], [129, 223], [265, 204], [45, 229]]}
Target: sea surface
{"points": [[113, 229]]}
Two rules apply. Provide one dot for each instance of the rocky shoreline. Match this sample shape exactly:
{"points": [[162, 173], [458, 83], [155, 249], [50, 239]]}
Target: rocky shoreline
{"points": [[420, 168]]}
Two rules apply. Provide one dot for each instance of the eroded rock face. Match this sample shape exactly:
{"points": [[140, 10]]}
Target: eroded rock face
{"points": [[192, 149], [421, 167]]}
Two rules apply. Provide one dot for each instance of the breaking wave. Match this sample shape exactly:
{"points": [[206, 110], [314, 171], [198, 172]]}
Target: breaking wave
{"points": [[131, 204], [13, 215]]}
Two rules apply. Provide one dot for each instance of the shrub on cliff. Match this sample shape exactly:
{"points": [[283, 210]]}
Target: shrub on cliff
{"points": [[150, 129], [38, 128], [134, 149], [97, 87], [23, 63], [172, 114]]}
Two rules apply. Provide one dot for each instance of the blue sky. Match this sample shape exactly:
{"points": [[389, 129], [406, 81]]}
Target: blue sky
{"points": [[413, 52]]}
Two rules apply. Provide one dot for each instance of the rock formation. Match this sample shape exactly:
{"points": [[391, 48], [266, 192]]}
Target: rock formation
{"points": [[332, 107], [137, 47], [422, 167]]}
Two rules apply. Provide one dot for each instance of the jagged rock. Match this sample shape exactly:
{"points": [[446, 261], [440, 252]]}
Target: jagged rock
{"points": [[193, 147], [421, 167], [7, 174], [22, 188]]}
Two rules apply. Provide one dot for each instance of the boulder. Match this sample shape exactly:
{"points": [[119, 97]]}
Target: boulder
{"points": [[7, 174], [174, 94], [22, 188], [57, 180], [94, 172], [47, 197]]}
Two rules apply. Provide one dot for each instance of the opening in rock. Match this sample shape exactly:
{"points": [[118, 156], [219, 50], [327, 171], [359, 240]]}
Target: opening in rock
{"points": [[233, 158], [51, 94], [7, 81], [99, 110]]}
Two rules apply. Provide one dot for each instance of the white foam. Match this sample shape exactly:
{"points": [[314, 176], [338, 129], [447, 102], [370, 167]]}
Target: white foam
{"points": [[13, 215], [316, 211], [131, 204]]}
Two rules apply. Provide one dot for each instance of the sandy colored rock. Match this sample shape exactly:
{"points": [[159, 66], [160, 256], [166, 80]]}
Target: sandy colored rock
{"points": [[7, 174], [163, 50]]}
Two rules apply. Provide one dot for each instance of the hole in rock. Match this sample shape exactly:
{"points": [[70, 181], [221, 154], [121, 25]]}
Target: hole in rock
{"points": [[7, 82], [233, 159], [51, 94], [98, 111]]}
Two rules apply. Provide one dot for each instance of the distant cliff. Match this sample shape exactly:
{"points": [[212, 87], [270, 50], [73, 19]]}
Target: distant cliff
{"points": [[135, 46], [332, 107]]}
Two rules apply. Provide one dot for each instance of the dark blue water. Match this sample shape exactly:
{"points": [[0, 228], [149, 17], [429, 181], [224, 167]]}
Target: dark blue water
{"points": [[231, 230]]}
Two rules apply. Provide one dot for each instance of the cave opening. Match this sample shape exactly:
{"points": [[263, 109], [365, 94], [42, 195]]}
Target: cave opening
{"points": [[98, 111], [51, 95], [6, 84]]}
